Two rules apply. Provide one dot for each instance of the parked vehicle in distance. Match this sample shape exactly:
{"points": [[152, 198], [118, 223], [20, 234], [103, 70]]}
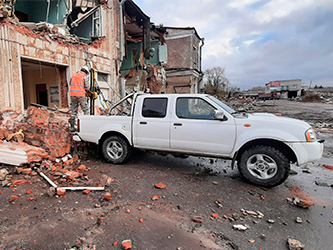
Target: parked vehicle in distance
{"points": [[269, 96], [262, 145]]}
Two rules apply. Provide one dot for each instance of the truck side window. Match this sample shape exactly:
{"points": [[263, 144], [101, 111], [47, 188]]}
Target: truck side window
{"points": [[154, 107], [194, 108]]}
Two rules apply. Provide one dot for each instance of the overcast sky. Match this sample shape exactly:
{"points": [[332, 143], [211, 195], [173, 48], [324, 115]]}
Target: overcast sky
{"points": [[257, 41]]}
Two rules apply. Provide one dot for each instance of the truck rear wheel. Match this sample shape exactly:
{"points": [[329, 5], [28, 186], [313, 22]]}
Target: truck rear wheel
{"points": [[116, 149], [264, 166]]}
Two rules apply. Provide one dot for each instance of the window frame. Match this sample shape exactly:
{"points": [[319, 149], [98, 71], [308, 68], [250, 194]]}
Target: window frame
{"points": [[151, 116], [209, 117]]}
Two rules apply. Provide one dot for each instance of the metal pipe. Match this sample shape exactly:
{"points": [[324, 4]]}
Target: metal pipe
{"points": [[121, 41], [121, 29], [200, 63], [48, 10], [48, 180], [83, 188]]}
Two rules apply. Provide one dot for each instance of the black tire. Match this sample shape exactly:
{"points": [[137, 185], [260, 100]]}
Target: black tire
{"points": [[264, 166], [116, 150]]}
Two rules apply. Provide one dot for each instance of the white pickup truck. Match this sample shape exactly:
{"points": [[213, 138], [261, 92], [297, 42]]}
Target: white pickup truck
{"points": [[263, 145]]}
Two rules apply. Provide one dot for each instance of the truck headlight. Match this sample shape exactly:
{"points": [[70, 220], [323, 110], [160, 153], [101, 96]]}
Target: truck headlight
{"points": [[310, 135]]}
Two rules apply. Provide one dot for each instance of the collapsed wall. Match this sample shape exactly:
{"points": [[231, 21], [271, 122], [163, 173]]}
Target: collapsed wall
{"points": [[39, 135]]}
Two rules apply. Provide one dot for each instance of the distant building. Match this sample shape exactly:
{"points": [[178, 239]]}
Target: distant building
{"points": [[287, 88]]}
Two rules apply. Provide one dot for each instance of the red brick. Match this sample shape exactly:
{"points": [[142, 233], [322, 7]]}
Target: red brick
{"points": [[107, 196], [61, 191], [14, 198], [126, 244], [27, 171], [160, 185], [18, 182], [155, 197], [82, 167]]}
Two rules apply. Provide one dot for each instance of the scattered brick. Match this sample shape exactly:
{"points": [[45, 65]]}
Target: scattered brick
{"points": [[106, 180], [61, 191], [126, 244], [14, 198], [87, 191], [155, 197], [197, 219], [27, 171], [19, 182], [107, 196], [29, 191], [82, 167], [160, 185]]}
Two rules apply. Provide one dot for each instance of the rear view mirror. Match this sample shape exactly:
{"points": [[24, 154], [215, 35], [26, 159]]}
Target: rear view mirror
{"points": [[218, 115]]}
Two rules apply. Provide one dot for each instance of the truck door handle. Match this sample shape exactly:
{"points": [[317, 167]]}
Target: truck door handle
{"points": [[143, 122], [177, 124]]}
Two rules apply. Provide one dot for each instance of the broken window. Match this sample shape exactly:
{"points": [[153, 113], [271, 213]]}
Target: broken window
{"points": [[87, 23], [103, 88], [51, 11]]}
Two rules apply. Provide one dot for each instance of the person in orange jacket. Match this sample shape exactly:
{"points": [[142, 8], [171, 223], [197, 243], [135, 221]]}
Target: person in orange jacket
{"points": [[78, 87]]}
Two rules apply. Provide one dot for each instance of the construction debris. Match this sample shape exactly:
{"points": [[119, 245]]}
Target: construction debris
{"points": [[40, 135], [295, 244]]}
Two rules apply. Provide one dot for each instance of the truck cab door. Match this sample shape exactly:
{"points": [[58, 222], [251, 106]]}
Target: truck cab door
{"points": [[151, 123], [195, 130]]}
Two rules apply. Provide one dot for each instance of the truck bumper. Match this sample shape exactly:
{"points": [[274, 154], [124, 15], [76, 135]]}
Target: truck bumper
{"points": [[307, 151]]}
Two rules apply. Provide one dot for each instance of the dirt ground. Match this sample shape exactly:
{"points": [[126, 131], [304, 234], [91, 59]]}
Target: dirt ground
{"points": [[203, 199]]}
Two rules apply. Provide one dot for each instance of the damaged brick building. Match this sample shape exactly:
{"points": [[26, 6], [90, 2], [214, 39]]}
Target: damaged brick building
{"points": [[41, 49], [183, 70]]}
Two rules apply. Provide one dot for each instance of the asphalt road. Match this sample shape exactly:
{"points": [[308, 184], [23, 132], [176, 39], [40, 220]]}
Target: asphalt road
{"points": [[202, 188]]}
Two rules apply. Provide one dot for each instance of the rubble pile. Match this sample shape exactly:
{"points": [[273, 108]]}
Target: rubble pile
{"points": [[312, 98], [241, 104], [40, 135]]}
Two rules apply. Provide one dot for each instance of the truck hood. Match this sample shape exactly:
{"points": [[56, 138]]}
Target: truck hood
{"points": [[268, 123], [268, 117]]}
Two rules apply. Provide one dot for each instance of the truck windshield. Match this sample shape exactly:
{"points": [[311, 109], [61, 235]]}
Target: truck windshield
{"points": [[221, 104]]}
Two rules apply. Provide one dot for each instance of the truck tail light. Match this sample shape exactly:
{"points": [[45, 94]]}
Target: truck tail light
{"points": [[78, 125], [310, 135]]}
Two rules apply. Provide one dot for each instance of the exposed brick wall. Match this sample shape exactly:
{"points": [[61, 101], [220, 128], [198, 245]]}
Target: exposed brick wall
{"points": [[179, 53], [178, 81]]}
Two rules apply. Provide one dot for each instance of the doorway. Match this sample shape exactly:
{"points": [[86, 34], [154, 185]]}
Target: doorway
{"points": [[41, 94], [44, 84]]}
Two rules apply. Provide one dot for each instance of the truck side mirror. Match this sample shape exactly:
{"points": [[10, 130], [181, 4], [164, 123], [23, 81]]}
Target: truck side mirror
{"points": [[218, 115]]}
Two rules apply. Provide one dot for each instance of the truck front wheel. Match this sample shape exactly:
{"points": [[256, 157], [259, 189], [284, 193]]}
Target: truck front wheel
{"points": [[264, 166], [116, 150]]}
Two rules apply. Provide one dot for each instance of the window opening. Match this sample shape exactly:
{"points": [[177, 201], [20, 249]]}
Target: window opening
{"points": [[194, 108], [154, 107]]}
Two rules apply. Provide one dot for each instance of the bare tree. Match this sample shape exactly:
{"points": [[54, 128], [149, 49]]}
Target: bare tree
{"points": [[216, 78]]}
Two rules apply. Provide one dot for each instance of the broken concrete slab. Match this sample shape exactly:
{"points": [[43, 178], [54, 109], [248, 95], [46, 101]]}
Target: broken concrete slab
{"points": [[16, 154]]}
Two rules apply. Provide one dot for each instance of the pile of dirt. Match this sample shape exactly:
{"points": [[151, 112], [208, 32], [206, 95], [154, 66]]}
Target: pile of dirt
{"points": [[312, 98]]}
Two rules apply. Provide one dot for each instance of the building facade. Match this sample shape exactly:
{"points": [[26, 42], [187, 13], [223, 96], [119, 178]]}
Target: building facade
{"points": [[40, 50], [287, 88], [183, 69]]}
